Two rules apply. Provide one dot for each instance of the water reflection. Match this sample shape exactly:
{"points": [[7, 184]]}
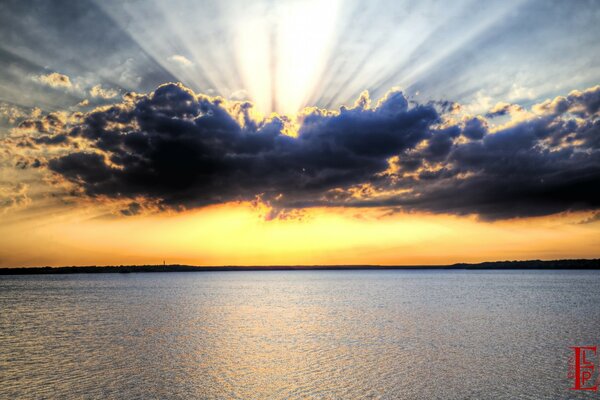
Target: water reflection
{"points": [[295, 334]]}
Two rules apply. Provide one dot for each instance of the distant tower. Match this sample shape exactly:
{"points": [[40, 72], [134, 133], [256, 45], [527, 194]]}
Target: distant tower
{"points": [[164, 263]]}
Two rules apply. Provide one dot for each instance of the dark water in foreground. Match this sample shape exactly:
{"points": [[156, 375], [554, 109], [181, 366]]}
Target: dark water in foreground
{"points": [[296, 334]]}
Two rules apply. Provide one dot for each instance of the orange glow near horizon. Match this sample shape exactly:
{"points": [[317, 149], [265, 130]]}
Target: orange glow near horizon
{"points": [[238, 234]]}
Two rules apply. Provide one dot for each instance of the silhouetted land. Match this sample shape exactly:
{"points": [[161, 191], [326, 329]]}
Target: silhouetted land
{"points": [[495, 265]]}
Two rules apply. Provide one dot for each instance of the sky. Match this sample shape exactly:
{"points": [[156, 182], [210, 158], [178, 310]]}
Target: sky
{"points": [[298, 131]]}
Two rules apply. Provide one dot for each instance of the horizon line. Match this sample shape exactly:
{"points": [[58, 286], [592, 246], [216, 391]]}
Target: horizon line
{"points": [[574, 264]]}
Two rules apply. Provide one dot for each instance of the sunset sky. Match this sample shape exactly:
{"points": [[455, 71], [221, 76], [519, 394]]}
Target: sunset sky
{"points": [[298, 131]]}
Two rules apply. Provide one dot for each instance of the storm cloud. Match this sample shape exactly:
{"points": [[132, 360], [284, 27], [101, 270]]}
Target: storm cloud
{"points": [[179, 149]]}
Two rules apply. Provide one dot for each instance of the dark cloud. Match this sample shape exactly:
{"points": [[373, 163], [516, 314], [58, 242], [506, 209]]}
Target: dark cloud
{"points": [[132, 209], [475, 128], [179, 150], [190, 151]]}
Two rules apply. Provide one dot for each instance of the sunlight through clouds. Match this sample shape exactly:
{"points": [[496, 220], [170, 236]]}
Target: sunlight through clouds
{"points": [[484, 113]]}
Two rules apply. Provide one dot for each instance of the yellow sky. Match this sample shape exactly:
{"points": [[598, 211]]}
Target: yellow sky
{"points": [[238, 234]]}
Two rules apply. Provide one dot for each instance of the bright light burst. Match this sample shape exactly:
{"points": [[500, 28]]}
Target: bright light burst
{"points": [[287, 55]]}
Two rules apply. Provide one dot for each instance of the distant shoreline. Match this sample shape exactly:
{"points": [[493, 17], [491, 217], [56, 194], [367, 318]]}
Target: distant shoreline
{"points": [[574, 264]]}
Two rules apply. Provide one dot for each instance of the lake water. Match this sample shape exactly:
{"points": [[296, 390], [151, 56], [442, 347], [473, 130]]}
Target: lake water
{"points": [[296, 334]]}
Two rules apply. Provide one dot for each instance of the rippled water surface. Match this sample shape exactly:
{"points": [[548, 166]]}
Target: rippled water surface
{"points": [[296, 334]]}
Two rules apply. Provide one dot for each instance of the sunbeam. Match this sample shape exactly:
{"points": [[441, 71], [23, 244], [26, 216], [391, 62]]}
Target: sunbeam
{"points": [[284, 56], [282, 50]]}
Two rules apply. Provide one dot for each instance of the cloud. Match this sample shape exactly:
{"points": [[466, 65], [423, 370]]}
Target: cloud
{"points": [[78, 86], [180, 60], [179, 149], [132, 208], [13, 196], [591, 219], [189, 150], [98, 91], [502, 109], [581, 103], [54, 80], [518, 92], [475, 128], [12, 113]]}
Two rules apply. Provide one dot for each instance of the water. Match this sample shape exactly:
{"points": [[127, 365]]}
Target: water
{"points": [[296, 334]]}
